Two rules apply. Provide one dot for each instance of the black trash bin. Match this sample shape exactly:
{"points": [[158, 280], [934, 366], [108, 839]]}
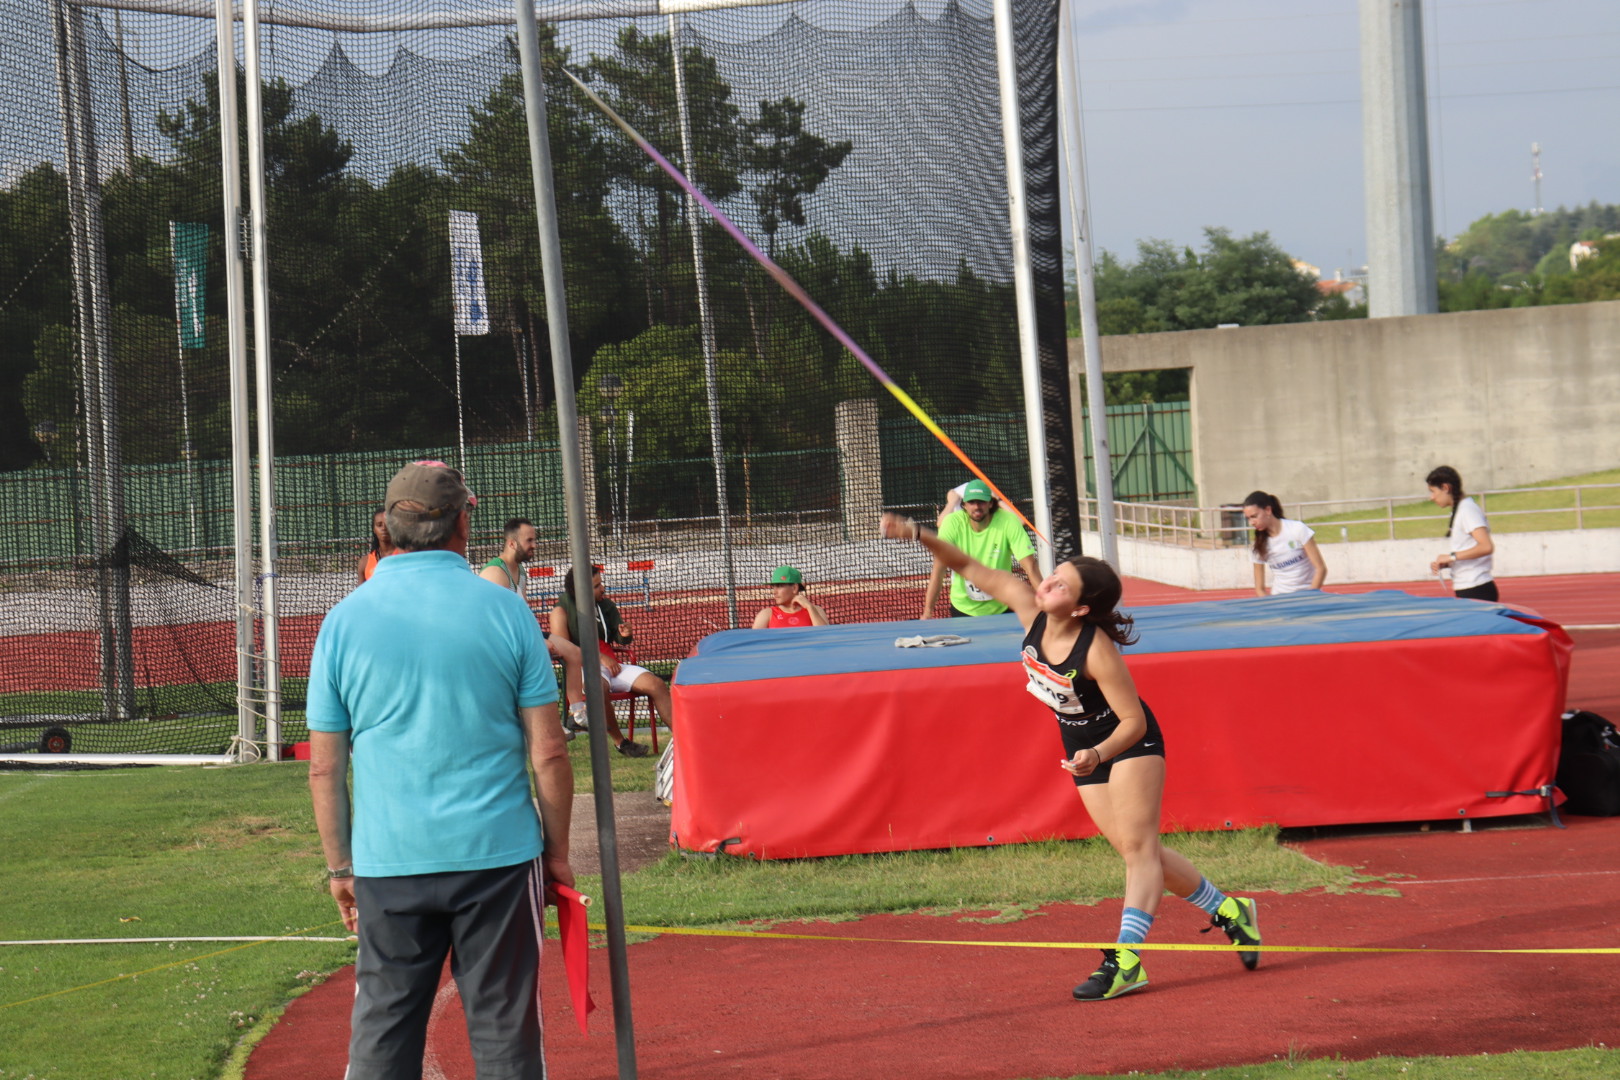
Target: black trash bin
{"points": [[1234, 529]]}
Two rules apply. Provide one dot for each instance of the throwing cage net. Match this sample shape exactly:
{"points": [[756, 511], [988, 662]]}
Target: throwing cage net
{"points": [[724, 432]]}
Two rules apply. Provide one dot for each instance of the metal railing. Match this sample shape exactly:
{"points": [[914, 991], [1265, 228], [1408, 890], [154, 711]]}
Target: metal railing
{"points": [[1569, 506]]}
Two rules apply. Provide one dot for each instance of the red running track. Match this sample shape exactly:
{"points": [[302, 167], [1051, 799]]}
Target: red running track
{"points": [[720, 1006], [708, 1007]]}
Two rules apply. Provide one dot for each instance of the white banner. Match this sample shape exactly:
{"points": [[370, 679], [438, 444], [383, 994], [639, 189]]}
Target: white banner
{"points": [[467, 274]]}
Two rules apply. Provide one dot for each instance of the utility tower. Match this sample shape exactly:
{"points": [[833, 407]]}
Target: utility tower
{"points": [[1395, 150], [1535, 175]]}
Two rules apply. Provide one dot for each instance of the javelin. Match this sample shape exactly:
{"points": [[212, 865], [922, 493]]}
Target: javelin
{"points": [[795, 290]]}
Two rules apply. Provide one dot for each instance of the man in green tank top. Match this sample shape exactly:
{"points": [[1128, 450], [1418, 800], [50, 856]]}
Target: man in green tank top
{"points": [[506, 570]]}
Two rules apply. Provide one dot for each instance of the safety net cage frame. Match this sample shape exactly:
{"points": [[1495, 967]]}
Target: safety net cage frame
{"points": [[208, 415]]}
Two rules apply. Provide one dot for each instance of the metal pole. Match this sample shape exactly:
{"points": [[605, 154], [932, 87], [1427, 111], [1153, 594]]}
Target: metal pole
{"points": [[187, 453], [103, 457], [123, 91], [236, 321], [1023, 279], [711, 376], [1074, 145], [265, 411], [461, 427], [579, 540]]}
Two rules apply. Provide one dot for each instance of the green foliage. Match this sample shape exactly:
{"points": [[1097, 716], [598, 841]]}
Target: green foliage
{"points": [[361, 343], [791, 162], [36, 293], [664, 384], [1596, 277], [1249, 281], [1512, 246], [1337, 306]]}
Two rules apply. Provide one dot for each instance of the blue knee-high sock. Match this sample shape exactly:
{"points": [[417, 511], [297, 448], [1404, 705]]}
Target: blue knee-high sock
{"points": [[1134, 924], [1206, 896]]}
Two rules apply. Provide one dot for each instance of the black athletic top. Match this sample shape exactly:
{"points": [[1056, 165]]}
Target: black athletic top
{"points": [[1083, 713]]}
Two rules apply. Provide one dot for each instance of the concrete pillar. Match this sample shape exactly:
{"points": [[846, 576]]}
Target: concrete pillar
{"points": [[1395, 152], [860, 467]]}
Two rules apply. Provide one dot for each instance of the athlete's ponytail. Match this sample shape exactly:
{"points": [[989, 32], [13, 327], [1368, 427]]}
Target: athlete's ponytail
{"points": [[1444, 476]]}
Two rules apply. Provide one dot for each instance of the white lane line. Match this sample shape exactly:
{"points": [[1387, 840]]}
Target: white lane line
{"points": [[1397, 882]]}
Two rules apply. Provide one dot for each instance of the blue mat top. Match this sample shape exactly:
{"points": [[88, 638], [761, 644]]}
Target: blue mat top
{"points": [[1304, 618]]}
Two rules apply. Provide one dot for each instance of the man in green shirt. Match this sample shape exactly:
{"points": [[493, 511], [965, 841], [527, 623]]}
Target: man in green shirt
{"points": [[506, 570], [990, 535]]}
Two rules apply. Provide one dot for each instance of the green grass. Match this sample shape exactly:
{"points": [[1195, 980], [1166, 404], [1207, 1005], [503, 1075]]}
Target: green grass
{"points": [[1521, 512], [1007, 879], [176, 853], [193, 852]]}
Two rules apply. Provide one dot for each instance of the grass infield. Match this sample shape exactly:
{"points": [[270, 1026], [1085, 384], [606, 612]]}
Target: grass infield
{"points": [[1525, 511], [187, 852]]}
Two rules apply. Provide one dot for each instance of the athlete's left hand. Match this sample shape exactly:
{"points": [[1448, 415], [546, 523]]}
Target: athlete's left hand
{"points": [[1083, 763]]}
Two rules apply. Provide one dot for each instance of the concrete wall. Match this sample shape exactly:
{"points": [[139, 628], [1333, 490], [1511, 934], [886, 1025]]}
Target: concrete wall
{"points": [[1528, 554], [1366, 407]]}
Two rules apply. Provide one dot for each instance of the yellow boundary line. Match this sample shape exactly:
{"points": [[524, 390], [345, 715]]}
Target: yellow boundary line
{"points": [[773, 935], [692, 931]]}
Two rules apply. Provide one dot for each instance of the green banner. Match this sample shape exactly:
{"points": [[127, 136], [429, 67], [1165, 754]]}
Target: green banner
{"points": [[189, 241]]}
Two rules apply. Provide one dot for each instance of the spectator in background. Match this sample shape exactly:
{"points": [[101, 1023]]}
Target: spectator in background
{"points": [[989, 535], [953, 503], [382, 546], [1468, 538], [789, 606], [506, 570], [1284, 544], [621, 678]]}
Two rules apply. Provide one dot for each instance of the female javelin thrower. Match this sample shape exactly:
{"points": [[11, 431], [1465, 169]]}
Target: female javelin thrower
{"points": [[1113, 746]]}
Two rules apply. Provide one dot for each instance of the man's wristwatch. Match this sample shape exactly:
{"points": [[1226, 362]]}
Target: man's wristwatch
{"points": [[344, 872]]}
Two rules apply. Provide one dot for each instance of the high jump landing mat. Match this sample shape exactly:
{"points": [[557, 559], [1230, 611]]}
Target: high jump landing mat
{"points": [[1305, 709]]}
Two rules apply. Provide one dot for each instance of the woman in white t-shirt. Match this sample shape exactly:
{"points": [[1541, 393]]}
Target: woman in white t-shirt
{"points": [[1284, 544], [1468, 537]]}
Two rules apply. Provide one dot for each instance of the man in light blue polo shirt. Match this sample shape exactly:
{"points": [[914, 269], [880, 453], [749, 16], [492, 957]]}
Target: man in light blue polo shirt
{"points": [[443, 690]]}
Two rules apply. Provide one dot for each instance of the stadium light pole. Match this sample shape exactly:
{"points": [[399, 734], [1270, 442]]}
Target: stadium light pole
{"points": [[1023, 280], [1074, 146], [579, 540], [236, 338], [711, 376]]}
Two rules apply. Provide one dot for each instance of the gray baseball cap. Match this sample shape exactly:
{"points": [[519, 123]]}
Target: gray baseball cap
{"points": [[433, 485]]}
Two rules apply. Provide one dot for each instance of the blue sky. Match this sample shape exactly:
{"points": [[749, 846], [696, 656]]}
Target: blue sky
{"points": [[1246, 114]]}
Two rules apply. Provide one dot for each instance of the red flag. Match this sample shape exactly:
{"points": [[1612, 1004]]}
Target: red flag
{"points": [[576, 948]]}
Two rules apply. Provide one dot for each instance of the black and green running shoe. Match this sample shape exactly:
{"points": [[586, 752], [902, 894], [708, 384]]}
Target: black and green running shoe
{"points": [[1239, 918], [1121, 972]]}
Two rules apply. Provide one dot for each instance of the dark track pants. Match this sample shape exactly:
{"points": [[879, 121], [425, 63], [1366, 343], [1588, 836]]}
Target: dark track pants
{"points": [[489, 923]]}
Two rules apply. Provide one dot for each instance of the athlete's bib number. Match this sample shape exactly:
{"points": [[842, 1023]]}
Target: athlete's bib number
{"points": [[1054, 689]]}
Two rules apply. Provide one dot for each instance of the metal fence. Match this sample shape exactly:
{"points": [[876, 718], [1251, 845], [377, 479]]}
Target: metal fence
{"points": [[1151, 446], [1554, 508]]}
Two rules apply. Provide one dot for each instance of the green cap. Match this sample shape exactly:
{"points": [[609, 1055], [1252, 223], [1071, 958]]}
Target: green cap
{"points": [[977, 491], [787, 575]]}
